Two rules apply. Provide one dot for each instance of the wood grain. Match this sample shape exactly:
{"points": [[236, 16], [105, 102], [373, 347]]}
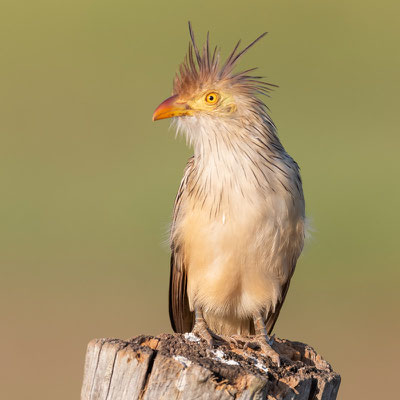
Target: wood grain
{"points": [[180, 366]]}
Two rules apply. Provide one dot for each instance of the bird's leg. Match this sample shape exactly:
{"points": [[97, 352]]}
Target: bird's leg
{"points": [[264, 340], [201, 328]]}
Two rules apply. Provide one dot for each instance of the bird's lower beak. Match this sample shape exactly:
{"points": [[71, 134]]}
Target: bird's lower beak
{"points": [[171, 107]]}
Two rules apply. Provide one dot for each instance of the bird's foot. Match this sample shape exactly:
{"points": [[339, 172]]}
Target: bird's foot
{"points": [[237, 341], [264, 342], [203, 332]]}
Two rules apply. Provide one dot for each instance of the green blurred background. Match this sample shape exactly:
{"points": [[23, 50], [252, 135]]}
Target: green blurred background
{"points": [[88, 180]]}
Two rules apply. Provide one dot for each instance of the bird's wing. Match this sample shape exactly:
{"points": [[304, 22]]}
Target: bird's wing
{"points": [[179, 312], [273, 316]]}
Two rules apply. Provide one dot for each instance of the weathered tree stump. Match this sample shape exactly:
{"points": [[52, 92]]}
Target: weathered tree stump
{"points": [[183, 367]]}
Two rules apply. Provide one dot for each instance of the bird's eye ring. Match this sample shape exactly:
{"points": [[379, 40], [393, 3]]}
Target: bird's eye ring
{"points": [[211, 98]]}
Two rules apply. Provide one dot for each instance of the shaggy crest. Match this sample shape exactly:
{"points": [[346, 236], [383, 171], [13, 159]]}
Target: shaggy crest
{"points": [[201, 69]]}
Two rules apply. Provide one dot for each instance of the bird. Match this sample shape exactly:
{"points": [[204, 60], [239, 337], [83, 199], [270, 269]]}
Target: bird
{"points": [[238, 223]]}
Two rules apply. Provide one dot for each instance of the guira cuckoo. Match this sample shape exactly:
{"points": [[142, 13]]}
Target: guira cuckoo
{"points": [[239, 216]]}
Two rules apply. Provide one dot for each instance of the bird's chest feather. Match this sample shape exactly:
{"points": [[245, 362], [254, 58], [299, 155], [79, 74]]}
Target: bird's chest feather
{"points": [[235, 254]]}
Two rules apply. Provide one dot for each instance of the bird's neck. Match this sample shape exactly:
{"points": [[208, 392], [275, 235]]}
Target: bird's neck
{"points": [[222, 140], [235, 161]]}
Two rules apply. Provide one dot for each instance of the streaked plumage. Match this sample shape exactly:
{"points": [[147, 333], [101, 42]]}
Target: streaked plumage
{"points": [[238, 225]]}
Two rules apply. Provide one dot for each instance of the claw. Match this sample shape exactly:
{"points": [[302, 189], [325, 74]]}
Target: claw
{"points": [[232, 340], [265, 341], [269, 351], [264, 344], [202, 331], [271, 340]]}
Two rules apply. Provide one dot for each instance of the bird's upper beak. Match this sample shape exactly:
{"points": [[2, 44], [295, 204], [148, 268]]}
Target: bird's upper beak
{"points": [[171, 107]]}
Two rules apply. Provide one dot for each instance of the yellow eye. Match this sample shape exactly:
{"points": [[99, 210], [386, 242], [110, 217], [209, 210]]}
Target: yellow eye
{"points": [[212, 98]]}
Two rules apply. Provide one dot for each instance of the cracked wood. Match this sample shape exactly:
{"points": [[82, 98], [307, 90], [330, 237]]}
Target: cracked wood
{"points": [[182, 367]]}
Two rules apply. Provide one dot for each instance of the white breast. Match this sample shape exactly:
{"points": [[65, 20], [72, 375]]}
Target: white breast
{"points": [[238, 260]]}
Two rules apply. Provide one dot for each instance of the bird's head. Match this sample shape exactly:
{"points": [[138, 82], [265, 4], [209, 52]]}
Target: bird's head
{"points": [[205, 87]]}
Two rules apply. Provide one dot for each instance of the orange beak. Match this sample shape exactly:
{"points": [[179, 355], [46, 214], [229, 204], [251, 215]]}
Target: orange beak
{"points": [[171, 107]]}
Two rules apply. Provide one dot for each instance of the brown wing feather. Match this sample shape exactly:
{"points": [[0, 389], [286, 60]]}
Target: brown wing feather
{"points": [[272, 317], [179, 312]]}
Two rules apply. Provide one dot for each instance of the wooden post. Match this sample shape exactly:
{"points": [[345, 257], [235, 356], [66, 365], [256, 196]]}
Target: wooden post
{"points": [[180, 366]]}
